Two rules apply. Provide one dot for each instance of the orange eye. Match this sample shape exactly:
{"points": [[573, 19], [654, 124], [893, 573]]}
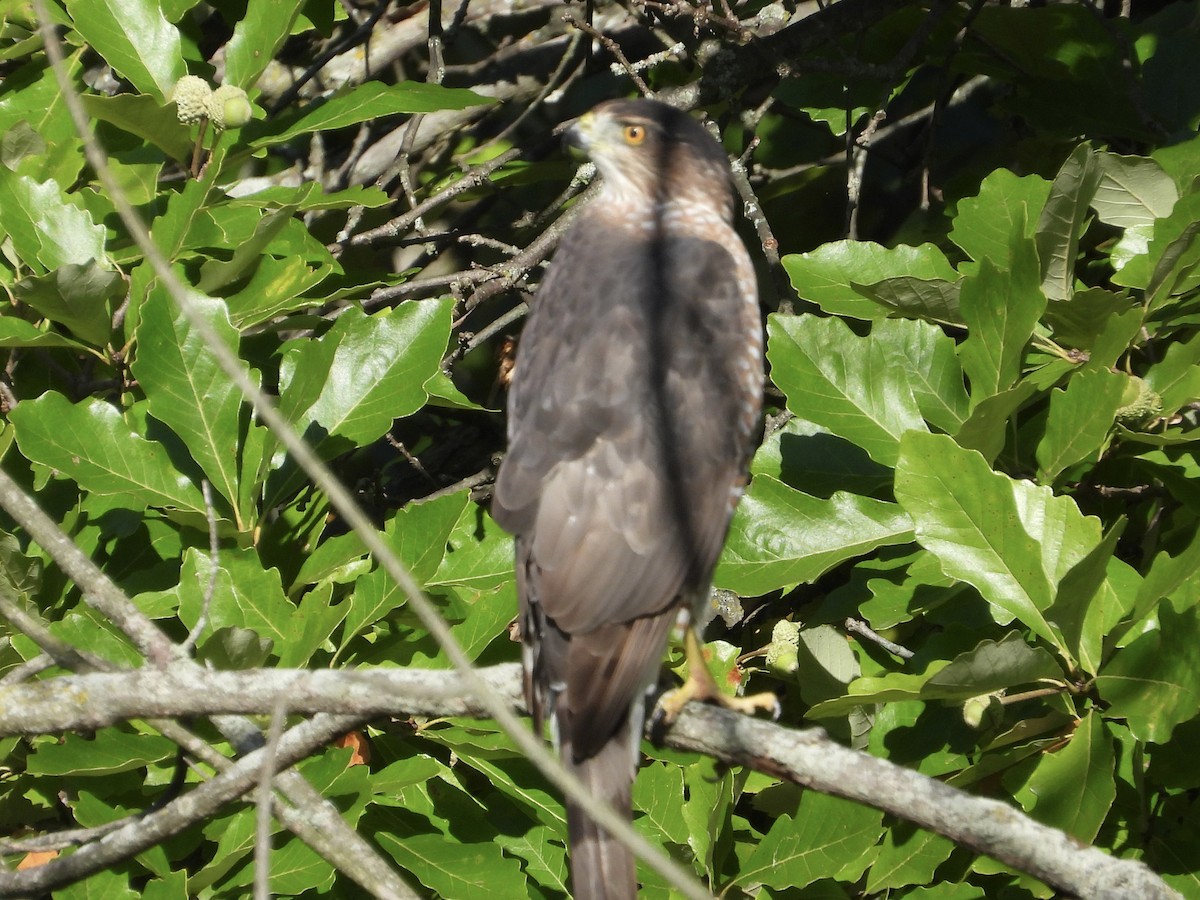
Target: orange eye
{"points": [[634, 134]]}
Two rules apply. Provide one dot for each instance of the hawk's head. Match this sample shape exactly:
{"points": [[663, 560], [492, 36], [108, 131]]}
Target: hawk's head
{"points": [[647, 149]]}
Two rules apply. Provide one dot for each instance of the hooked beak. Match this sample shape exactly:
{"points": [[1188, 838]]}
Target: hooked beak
{"points": [[577, 138]]}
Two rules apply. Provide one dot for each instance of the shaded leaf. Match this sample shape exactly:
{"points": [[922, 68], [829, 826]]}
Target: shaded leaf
{"points": [[1152, 682], [781, 537], [144, 116], [916, 298], [1073, 789], [79, 296], [989, 667], [1063, 220]]}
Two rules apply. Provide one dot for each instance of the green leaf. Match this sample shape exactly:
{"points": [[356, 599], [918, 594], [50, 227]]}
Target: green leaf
{"points": [[992, 666], [780, 537], [276, 286], [107, 753], [33, 97], [1152, 682], [92, 444], [1170, 241], [1001, 310], [189, 392], [1073, 789], [1080, 320], [1132, 191], [244, 595], [1079, 420], [658, 793], [313, 623], [256, 38], [147, 118], [987, 427], [454, 869], [134, 38], [545, 858], [1063, 220], [364, 103], [984, 224], [909, 855], [989, 667], [826, 275], [79, 296], [48, 230], [101, 886], [804, 454], [1012, 540], [312, 196], [1176, 377], [857, 387], [379, 369], [1167, 575], [824, 835], [934, 375], [916, 298], [479, 553], [1092, 598], [217, 273], [417, 534]]}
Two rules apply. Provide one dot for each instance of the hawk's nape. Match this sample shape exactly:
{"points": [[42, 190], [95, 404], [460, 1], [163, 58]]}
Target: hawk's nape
{"points": [[631, 419]]}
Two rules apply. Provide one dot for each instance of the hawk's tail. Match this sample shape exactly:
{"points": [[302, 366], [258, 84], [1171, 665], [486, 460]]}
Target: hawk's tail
{"points": [[602, 868]]}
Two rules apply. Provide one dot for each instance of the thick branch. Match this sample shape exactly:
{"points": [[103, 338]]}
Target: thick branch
{"points": [[806, 757]]}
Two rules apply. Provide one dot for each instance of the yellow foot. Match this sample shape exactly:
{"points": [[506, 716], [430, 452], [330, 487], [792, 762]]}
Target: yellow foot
{"points": [[701, 686]]}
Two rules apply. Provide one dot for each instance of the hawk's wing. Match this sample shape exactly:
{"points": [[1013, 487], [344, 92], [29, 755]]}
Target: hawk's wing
{"points": [[626, 449]]}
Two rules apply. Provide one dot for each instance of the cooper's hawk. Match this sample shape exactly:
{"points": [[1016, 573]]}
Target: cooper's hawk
{"points": [[631, 418]]}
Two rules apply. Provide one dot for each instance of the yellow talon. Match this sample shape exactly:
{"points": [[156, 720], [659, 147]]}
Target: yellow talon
{"points": [[700, 685]]}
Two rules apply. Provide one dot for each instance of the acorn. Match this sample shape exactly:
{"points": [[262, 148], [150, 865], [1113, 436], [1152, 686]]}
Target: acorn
{"points": [[1139, 404], [191, 95], [229, 107]]}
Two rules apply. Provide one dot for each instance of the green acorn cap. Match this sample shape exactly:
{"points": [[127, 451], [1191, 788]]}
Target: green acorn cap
{"points": [[191, 95], [229, 107]]}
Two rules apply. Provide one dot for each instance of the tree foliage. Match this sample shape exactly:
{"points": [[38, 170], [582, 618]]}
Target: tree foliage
{"points": [[970, 542]]}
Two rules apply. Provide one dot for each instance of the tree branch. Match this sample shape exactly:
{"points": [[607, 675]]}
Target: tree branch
{"points": [[807, 757]]}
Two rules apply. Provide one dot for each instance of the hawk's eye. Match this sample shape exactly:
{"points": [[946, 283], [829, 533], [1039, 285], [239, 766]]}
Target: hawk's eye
{"points": [[634, 134]]}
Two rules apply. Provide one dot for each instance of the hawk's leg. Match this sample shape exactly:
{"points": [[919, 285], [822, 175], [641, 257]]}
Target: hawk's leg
{"points": [[700, 685]]}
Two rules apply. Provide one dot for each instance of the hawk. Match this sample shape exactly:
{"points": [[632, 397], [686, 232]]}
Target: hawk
{"points": [[632, 414]]}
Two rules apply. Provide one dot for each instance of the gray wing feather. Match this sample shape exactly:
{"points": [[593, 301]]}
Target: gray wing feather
{"points": [[624, 454]]}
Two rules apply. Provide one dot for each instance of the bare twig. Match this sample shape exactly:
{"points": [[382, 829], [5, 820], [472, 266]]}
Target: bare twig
{"points": [[214, 559], [262, 811], [863, 629]]}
